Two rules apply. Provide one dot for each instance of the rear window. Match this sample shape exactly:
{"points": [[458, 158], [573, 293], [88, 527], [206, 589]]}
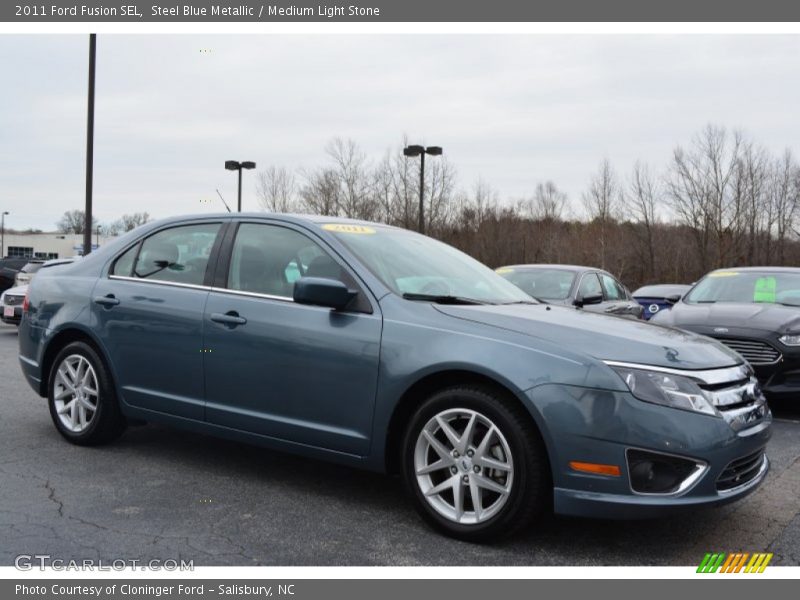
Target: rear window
{"points": [[32, 267]]}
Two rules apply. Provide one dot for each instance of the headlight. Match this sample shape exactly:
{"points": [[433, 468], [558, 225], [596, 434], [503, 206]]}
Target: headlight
{"points": [[666, 389], [790, 339]]}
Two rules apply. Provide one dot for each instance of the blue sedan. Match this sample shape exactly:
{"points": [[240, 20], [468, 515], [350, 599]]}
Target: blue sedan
{"points": [[383, 349]]}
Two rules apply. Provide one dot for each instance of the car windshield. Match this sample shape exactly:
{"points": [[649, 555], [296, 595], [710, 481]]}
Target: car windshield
{"points": [[31, 267], [545, 284], [660, 291], [747, 287], [417, 266]]}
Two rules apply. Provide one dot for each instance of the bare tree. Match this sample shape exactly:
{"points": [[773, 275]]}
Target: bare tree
{"points": [[784, 199], [320, 192], [641, 203], [74, 221], [547, 203], [276, 190], [602, 201], [355, 197]]}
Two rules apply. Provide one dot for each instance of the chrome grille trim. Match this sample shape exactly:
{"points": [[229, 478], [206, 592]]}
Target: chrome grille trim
{"points": [[14, 300], [754, 351]]}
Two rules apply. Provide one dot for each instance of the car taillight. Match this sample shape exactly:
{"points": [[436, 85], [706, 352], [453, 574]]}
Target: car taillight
{"points": [[25, 303]]}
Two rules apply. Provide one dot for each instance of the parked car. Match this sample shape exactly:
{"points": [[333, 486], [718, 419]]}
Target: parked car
{"points": [[26, 273], [754, 311], [9, 267], [11, 302], [383, 349], [655, 298], [592, 289]]}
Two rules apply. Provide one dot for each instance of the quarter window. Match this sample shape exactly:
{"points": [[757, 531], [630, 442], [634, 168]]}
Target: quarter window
{"points": [[177, 255], [124, 264]]}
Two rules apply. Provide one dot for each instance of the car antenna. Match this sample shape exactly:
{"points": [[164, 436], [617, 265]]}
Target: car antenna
{"points": [[223, 201]]}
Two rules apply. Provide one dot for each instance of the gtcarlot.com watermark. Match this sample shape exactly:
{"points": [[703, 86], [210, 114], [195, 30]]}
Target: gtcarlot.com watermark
{"points": [[29, 562]]}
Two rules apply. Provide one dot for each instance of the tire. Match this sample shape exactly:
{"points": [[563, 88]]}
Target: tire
{"points": [[70, 407], [516, 445]]}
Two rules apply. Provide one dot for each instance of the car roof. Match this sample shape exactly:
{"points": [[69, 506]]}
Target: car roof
{"points": [[532, 267], [661, 288], [759, 269], [315, 220]]}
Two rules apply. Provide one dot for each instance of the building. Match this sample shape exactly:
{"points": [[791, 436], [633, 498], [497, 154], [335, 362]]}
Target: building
{"points": [[48, 245]]}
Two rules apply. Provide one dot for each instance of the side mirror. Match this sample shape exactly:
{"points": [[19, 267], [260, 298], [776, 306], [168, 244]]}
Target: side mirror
{"points": [[320, 291], [673, 298], [581, 300]]}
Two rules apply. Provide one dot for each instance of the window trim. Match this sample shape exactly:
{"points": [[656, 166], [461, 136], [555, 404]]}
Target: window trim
{"points": [[222, 270], [215, 248]]}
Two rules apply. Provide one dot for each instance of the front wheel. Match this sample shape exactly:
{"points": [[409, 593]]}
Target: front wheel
{"points": [[81, 396], [475, 464]]}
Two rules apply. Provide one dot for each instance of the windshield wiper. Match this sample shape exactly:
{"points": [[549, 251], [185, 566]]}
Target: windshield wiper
{"points": [[705, 301], [444, 299], [537, 301]]}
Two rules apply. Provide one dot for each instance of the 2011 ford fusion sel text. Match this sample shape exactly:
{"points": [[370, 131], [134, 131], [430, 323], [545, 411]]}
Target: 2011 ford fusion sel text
{"points": [[381, 348]]}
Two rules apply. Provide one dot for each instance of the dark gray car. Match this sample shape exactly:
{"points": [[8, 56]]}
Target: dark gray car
{"points": [[588, 288], [383, 349]]}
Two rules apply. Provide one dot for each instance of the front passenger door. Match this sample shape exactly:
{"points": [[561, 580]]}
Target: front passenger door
{"points": [[617, 300], [305, 374]]}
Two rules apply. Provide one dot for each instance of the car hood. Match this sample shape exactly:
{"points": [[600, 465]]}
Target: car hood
{"points": [[602, 337], [743, 318]]}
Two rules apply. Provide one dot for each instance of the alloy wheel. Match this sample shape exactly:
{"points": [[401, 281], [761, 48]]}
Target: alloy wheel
{"points": [[75, 393], [463, 466]]}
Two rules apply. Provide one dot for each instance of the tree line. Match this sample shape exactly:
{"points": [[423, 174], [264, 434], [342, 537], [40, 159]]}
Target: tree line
{"points": [[721, 200]]}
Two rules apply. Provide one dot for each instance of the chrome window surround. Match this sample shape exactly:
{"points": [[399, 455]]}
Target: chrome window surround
{"points": [[204, 288], [700, 469]]}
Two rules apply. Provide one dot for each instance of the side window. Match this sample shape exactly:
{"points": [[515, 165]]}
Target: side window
{"points": [[614, 290], [178, 255], [590, 286], [268, 259], [124, 264]]}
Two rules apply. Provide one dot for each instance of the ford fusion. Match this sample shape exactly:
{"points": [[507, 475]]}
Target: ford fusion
{"points": [[755, 311], [380, 348]]}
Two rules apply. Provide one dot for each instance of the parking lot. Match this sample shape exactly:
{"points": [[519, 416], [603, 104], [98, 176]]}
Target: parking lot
{"points": [[160, 493]]}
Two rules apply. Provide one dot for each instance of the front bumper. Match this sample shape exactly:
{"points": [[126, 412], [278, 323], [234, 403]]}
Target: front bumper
{"points": [[599, 426]]}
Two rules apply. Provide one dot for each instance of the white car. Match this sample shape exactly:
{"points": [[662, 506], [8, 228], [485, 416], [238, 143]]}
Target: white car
{"points": [[28, 271], [11, 304]]}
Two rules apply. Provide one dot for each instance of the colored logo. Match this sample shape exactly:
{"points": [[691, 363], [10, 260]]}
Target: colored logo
{"points": [[735, 562]]}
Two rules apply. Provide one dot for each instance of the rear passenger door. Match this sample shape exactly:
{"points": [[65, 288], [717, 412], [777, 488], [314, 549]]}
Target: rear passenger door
{"points": [[148, 313], [305, 374]]}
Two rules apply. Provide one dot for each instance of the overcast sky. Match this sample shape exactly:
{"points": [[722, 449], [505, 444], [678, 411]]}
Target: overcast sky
{"points": [[513, 110]]}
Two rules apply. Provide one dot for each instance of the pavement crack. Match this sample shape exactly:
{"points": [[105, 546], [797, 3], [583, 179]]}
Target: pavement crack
{"points": [[53, 498]]}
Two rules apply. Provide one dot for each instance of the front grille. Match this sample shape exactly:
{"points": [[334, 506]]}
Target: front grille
{"points": [[740, 471], [753, 351], [14, 300]]}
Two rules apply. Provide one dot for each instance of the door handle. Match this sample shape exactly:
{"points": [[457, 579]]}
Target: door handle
{"points": [[229, 318], [108, 300]]}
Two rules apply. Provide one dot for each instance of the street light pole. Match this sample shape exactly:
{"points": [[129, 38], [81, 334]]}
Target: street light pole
{"points": [[87, 226], [3, 233], [421, 151], [235, 165]]}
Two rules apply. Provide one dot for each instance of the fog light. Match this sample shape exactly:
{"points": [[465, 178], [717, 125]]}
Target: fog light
{"points": [[654, 473]]}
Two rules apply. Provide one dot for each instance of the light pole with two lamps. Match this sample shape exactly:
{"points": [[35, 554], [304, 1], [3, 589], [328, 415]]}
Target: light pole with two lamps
{"points": [[421, 151], [235, 165]]}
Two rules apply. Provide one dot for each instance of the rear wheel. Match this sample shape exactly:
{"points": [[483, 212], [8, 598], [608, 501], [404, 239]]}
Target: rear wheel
{"points": [[474, 464], [82, 400]]}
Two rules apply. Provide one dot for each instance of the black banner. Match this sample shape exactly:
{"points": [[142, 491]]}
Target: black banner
{"points": [[94, 11]]}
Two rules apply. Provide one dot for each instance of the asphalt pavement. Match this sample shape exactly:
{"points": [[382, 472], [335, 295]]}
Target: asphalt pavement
{"points": [[161, 493]]}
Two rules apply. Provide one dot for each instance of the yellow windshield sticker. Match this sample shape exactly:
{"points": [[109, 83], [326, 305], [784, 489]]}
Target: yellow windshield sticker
{"points": [[723, 274], [502, 270], [346, 228]]}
